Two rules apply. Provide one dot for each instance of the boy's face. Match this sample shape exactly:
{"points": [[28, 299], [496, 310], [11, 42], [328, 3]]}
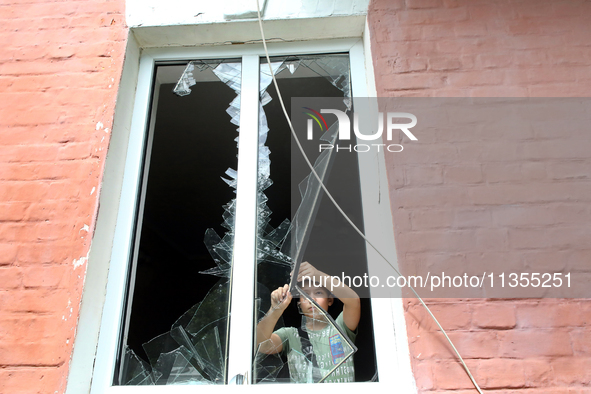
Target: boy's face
{"points": [[320, 295]]}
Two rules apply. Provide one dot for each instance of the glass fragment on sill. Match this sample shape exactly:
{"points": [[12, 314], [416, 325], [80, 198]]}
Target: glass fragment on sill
{"points": [[135, 371], [166, 365], [181, 370], [191, 352]]}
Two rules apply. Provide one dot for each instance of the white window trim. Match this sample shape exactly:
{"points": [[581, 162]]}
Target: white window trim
{"points": [[392, 353]]}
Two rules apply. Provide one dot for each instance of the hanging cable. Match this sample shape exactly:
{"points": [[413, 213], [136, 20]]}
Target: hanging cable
{"points": [[342, 212]]}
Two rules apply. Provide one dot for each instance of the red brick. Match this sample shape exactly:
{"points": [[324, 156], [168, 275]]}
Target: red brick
{"points": [[29, 153], [569, 170], [476, 78], [52, 276], [401, 65], [26, 380], [40, 171], [410, 4], [534, 343], [451, 316], [571, 89], [429, 197], [396, 178], [531, 215], [556, 237], [439, 240], [579, 391], [533, 171], [46, 252], [13, 211], [502, 172], [444, 64], [435, 32], [450, 375], [546, 260], [579, 260], [468, 218], [551, 313], [497, 316], [423, 175], [528, 193], [69, 78], [42, 10], [492, 151], [403, 34], [7, 253], [11, 232], [470, 28], [401, 220], [538, 372], [379, 7], [10, 278], [414, 81], [581, 340], [500, 373], [425, 262], [423, 376], [52, 210], [431, 218], [465, 174], [475, 344], [27, 354], [429, 154], [573, 213], [34, 300], [52, 231], [572, 371], [64, 189], [567, 149], [30, 328]]}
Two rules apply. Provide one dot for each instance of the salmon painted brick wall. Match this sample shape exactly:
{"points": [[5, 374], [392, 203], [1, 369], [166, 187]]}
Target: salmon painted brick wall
{"points": [[60, 65], [528, 203]]}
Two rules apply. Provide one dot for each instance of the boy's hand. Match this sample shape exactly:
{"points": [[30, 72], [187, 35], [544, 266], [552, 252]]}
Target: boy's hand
{"points": [[308, 270], [281, 298]]}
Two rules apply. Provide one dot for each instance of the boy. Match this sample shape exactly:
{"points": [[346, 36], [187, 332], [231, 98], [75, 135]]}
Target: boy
{"points": [[311, 359]]}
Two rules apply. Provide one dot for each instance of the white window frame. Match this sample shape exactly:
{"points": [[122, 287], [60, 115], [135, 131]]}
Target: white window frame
{"points": [[392, 353]]}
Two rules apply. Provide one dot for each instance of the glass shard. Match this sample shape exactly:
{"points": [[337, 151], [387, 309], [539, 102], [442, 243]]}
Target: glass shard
{"points": [[318, 348], [135, 371]]}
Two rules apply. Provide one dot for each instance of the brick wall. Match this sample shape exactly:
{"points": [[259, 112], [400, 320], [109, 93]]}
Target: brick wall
{"points": [[60, 64], [529, 205]]}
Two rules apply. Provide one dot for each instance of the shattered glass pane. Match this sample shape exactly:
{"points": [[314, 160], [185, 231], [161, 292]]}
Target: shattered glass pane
{"points": [[182, 372], [136, 371], [313, 347], [334, 68], [187, 79], [193, 351]]}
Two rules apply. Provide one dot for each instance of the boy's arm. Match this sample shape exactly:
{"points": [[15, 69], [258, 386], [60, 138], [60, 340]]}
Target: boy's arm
{"points": [[348, 296], [269, 342]]}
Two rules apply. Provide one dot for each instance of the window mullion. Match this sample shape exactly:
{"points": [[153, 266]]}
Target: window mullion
{"points": [[245, 226]]}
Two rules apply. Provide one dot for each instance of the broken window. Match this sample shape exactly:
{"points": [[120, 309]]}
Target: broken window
{"points": [[176, 329]]}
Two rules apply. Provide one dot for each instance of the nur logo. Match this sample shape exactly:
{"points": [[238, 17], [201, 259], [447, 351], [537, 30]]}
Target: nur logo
{"points": [[344, 125]]}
